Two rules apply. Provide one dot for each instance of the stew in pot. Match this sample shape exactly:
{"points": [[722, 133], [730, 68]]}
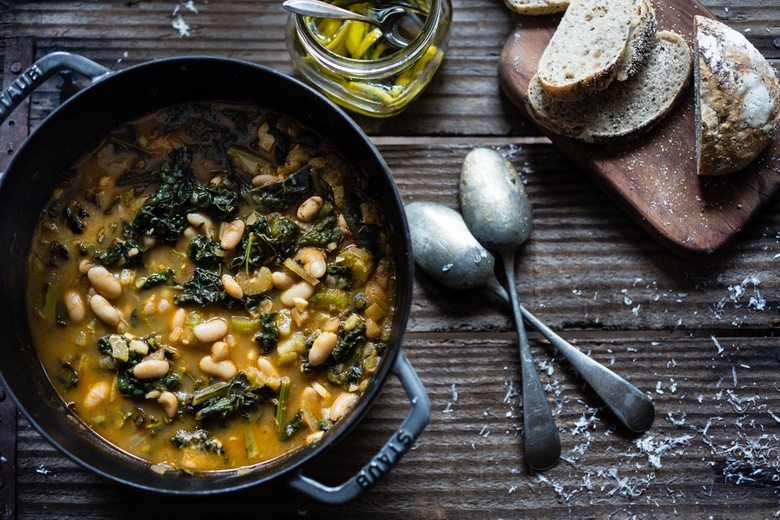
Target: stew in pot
{"points": [[211, 287]]}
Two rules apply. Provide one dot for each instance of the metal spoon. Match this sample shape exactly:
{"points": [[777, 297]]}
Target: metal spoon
{"points": [[496, 210], [446, 250], [399, 26]]}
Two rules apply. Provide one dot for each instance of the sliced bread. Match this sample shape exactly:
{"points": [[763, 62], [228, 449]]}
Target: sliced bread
{"points": [[537, 7], [627, 108], [736, 99], [595, 43]]}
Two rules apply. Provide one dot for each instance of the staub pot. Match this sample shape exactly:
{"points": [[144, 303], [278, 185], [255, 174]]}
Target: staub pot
{"points": [[25, 186]]}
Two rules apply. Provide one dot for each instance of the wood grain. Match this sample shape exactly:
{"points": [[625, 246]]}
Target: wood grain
{"points": [[698, 334], [653, 178]]}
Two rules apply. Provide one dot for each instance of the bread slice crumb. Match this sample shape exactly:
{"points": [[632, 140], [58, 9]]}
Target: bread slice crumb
{"points": [[537, 7], [595, 43], [627, 108]]}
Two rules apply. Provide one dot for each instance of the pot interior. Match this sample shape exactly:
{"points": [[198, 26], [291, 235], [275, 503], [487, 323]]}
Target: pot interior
{"points": [[71, 130]]}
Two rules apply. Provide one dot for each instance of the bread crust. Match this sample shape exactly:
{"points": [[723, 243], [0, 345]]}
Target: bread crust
{"points": [[626, 109], [736, 106], [641, 39]]}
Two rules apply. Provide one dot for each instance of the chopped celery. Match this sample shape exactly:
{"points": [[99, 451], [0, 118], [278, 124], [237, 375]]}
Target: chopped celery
{"points": [[281, 404], [331, 300], [360, 261], [248, 161], [250, 443], [50, 302], [255, 283], [244, 324]]}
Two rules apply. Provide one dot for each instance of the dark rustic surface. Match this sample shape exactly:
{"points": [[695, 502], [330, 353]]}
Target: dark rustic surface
{"points": [[697, 334]]}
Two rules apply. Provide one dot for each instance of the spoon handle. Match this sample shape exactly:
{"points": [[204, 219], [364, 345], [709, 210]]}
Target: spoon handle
{"points": [[631, 406], [319, 9], [542, 443]]}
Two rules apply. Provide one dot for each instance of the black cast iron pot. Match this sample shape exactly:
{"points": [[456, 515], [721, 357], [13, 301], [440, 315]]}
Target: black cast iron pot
{"points": [[25, 186]]}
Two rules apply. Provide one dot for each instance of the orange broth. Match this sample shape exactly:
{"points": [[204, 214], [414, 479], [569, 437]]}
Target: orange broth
{"points": [[92, 226]]}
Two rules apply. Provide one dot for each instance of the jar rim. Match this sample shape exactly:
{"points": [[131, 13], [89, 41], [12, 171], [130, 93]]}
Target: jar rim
{"points": [[386, 65]]}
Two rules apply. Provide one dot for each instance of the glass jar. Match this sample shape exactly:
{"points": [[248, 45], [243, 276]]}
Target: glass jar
{"points": [[379, 86]]}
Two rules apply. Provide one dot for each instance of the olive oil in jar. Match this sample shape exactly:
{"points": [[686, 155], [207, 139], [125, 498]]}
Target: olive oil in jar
{"points": [[353, 64]]}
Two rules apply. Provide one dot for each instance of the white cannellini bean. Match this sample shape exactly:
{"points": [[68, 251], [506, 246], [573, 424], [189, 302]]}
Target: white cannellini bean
{"points": [[224, 369], [103, 309], [210, 330], [264, 179], [85, 265], [340, 405], [169, 402], [281, 280], [163, 306], [74, 306], [313, 260], [232, 234], [104, 282], [266, 367], [96, 394], [311, 408], [299, 290], [200, 221], [309, 208], [322, 347], [232, 287], [220, 351], [372, 329], [179, 318], [151, 368]]}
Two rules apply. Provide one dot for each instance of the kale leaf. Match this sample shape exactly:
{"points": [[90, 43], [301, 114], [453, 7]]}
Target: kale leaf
{"points": [[324, 232], [153, 280], [205, 252], [164, 214], [120, 254], [223, 399], [270, 237], [268, 335], [199, 440], [366, 235], [203, 287], [293, 426], [291, 190], [74, 215], [348, 340]]}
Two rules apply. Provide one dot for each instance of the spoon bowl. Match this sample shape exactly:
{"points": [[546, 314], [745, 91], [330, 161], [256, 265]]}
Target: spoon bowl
{"points": [[398, 25], [445, 248]]}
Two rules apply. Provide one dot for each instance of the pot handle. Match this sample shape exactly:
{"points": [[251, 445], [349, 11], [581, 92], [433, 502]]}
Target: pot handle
{"points": [[40, 71], [387, 457]]}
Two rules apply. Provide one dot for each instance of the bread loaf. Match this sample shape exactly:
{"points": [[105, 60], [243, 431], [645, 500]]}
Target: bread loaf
{"points": [[626, 108], [595, 43], [736, 99]]}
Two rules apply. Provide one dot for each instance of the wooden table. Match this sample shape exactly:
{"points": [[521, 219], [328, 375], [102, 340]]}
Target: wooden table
{"points": [[698, 335]]}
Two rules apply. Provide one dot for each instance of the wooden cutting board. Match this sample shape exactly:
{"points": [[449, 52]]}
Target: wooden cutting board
{"points": [[654, 178]]}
